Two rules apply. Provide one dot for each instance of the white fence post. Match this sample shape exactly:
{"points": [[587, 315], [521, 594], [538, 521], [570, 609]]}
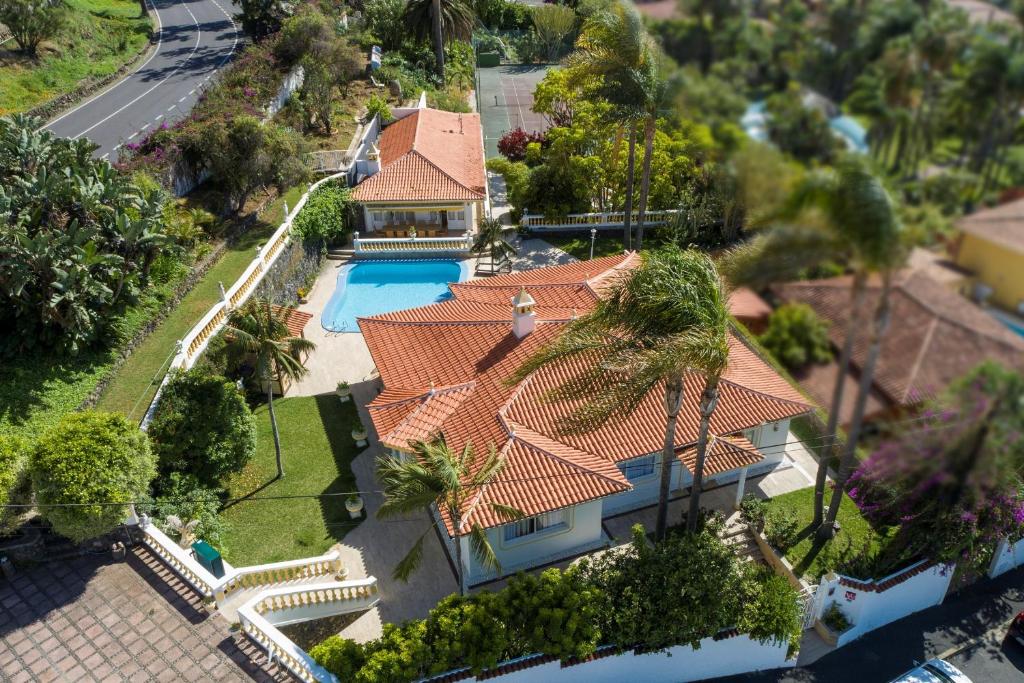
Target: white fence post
{"points": [[356, 242]]}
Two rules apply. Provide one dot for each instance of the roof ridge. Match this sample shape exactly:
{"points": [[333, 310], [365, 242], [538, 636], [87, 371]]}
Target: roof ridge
{"points": [[568, 463], [440, 170], [426, 323], [772, 397]]}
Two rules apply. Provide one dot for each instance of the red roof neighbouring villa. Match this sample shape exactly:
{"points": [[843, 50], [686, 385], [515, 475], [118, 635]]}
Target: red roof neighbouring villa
{"points": [[445, 366], [429, 155]]}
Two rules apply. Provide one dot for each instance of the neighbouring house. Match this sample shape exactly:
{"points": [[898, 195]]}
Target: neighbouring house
{"points": [[750, 309], [935, 336], [991, 247], [425, 176], [445, 368]]}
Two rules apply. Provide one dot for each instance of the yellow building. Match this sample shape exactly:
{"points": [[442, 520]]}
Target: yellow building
{"points": [[991, 247]]}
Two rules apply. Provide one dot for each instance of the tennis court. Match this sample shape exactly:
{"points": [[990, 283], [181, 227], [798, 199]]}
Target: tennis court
{"points": [[505, 98]]}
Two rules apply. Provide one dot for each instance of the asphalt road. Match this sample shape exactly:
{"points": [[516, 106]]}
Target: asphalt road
{"points": [[196, 37], [966, 629]]}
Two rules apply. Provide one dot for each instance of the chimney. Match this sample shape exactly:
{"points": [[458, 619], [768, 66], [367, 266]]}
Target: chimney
{"points": [[523, 317], [372, 160]]}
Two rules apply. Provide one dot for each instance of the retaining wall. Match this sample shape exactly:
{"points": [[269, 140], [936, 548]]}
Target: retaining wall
{"points": [[1007, 556]]}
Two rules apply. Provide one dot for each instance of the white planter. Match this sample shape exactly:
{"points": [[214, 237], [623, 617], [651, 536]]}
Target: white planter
{"points": [[359, 435], [354, 507], [343, 394]]}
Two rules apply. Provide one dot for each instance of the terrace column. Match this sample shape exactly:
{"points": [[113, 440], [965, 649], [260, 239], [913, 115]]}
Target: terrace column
{"points": [[740, 485]]}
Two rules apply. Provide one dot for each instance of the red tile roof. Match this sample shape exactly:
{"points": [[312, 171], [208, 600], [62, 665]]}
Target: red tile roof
{"points": [[465, 349], [1002, 225], [294, 319], [724, 453], [426, 156], [935, 337]]}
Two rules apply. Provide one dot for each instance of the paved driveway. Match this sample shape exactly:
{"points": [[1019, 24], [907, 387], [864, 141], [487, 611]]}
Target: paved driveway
{"points": [[91, 619]]}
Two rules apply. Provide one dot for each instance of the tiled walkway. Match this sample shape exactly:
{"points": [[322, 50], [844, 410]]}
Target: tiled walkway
{"points": [[91, 619]]}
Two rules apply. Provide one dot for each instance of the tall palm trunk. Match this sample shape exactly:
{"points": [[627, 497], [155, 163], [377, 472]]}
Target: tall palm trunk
{"points": [[645, 180], [627, 223], [707, 408], [827, 453], [459, 573], [438, 38], [673, 402], [881, 325], [273, 427]]}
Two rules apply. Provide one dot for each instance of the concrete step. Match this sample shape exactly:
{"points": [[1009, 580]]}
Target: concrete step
{"points": [[340, 254]]}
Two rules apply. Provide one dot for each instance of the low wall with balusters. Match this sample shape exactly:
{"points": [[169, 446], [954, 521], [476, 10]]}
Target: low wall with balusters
{"points": [[607, 220]]}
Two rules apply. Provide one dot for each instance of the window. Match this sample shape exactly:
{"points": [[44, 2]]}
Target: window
{"points": [[533, 525], [640, 467], [457, 215]]}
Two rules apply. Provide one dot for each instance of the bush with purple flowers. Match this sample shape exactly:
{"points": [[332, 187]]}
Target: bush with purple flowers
{"points": [[952, 485]]}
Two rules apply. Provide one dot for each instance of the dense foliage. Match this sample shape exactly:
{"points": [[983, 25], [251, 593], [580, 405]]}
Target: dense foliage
{"points": [[77, 240], [96, 463], [512, 145], [797, 337], [30, 22], [952, 483], [14, 481], [186, 507], [202, 427], [327, 215], [679, 592]]}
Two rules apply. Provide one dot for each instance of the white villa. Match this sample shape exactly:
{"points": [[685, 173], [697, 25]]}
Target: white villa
{"points": [[425, 175], [444, 369]]}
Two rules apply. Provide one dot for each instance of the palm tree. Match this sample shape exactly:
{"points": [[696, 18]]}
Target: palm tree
{"points": [[440, 21], [842, 215], [439, 476], [261, 330], [665, 320], [615, 47], [660, 96], [490, 239]]}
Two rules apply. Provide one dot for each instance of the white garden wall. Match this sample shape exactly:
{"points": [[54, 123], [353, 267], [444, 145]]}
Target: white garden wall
{"points": [[1007, 556], [874, 603], [731, 655]]}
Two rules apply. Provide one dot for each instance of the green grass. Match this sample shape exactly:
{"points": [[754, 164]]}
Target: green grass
{"points": [[100, 37], [813, 559], [317, 449], [579, 245], [132, 388]]}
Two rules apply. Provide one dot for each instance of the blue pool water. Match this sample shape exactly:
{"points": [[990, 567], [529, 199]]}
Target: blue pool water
{"points": [[755, 123], [1013, 322], [372, 287]]}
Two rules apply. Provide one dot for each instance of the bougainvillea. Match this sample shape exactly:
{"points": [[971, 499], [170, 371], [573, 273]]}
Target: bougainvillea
{"points": [[512, 144], [951, 484]]}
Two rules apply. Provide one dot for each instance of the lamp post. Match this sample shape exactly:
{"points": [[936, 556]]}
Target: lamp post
{"points": [[593, 236]]}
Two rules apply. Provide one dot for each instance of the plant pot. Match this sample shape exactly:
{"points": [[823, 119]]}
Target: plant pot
{"points": [[303, 299], [343, 394], [354, 507], [359, 435]]}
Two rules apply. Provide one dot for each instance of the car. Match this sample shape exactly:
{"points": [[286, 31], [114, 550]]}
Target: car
{"points": [[933, 671], [1016, 632]]}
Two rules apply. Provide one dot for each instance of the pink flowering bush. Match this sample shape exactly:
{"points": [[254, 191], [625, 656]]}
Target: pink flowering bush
{"points": [[951, 484]]}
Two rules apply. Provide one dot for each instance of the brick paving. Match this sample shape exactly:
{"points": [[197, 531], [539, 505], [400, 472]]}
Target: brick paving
{"points": [[91, 619]]}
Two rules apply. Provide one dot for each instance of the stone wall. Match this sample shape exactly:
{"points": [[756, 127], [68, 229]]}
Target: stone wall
{"points": [[296, 267]]}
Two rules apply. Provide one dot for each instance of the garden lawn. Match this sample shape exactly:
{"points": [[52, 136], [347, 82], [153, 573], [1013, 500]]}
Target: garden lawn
{"points": [[607, 244], [809, 559], [135, 383], [100, 37], [317, 449]]}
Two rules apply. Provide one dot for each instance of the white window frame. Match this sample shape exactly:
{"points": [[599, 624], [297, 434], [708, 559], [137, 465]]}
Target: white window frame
{"points": [[531, 527]]}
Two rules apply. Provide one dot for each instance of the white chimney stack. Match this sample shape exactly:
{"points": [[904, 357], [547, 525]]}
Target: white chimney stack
{"points": [[523, 317], [372, 160]]}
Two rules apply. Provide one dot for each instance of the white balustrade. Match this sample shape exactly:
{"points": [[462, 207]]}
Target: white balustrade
{"points": [[245, 578], [608, 219], [459, 244], [180, 560]]}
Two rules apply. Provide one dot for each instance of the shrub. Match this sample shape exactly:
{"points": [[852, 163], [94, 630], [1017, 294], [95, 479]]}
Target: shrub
{"points": [[771, 612], [341, 656], [32, 21], [325, 216], [796, 336], [377, 105], [556, 613], [835, 619], [780, 529], [202, 427], [503, 15], [186, 498], [14, 480], [90, 460], [512, 145], [753, 511]]}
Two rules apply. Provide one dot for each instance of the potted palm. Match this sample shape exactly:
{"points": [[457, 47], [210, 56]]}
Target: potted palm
{"points": [[359, 434], [354, 505], [343, 390]]}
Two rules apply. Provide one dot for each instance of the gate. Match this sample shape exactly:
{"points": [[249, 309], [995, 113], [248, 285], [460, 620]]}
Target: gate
{"points": [[810, 605]]}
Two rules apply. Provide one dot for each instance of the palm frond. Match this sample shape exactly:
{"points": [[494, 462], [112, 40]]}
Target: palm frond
{"points": [[482, 550], [411, 562]]}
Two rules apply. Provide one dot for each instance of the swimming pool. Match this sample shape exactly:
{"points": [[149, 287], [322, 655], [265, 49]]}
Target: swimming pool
{"points": [[368, 288], [1013, 322]]}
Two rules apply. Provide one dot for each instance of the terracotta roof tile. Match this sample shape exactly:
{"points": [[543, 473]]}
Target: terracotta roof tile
{"points": [[428, 155], [1002, 225], [935, 337], [746, 305], [724, 453], [466, 349], [294, 319]]}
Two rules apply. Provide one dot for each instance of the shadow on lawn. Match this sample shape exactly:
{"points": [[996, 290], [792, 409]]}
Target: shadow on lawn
{"points": [[339, 419]]}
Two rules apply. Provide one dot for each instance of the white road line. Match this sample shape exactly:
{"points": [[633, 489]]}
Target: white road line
{"points": [[144, 127], [173, 106], [137, 132], [199, 35], [117, 147], [184, 98], [193, 92], [159, 43], [105, 155], [158, 117]]}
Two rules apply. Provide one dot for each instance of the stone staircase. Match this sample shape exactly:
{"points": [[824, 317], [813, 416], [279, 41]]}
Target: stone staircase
{"points": [[738, 537], [336, 254]]}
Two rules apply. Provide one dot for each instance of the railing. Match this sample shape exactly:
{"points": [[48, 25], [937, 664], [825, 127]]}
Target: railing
{"points": [[180, 560], [460, 244], [330, 161], [260, 617], [605, 220], [246, 578]]}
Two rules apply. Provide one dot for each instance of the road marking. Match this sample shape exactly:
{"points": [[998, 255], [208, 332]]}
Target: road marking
{"points": [[192, 91], [182, 99], [105, 155], [133, 135], [158, 117], [199, 35], [996, 634], [159, 42], [173, 106], [144, 127]]}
